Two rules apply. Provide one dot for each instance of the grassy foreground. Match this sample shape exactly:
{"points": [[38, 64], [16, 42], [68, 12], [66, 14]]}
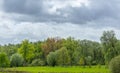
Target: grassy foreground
{"points": [[73, 69]]}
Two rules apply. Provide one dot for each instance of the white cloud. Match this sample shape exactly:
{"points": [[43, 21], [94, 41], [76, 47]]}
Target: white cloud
{"points": [[12, 32], [53, 6], [1, 3]]}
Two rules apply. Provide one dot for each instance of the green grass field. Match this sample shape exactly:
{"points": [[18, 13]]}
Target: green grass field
{"points": [[73, 69]]}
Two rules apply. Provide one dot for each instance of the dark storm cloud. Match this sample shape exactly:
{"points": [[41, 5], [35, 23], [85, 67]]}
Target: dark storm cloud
{"points": [[35, 11], [98, 10], [23, 6]]}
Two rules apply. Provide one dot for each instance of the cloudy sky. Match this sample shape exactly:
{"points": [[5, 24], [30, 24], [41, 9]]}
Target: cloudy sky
{"points": [[38, 19]]}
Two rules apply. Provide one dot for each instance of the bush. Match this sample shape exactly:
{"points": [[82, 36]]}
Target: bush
{"points": [[88, 60], [4, 62], [16, 60], [51, 59], [115, 65], [59, 57], [63, 58], [82, 62], [37, 62]]}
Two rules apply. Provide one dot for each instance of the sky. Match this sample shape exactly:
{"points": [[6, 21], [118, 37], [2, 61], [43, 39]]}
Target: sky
{"points": [[39, 19]]}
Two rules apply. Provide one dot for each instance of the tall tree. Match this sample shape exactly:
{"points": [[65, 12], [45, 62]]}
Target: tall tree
{"points": [[72, 46], [26, 50], [51, 45], [109, 40], [38, 53]]}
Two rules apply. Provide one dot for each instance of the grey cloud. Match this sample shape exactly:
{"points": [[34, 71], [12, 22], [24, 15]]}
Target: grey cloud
{"points": [[30, 10], [35, 9], [23, 6], [98, 10]]}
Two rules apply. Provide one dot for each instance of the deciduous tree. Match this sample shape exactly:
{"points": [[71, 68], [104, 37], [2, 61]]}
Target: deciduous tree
{"points": [[26, 50]]}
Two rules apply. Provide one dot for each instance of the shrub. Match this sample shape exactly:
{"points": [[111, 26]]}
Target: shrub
{"points": [[4, 62], [51, 59], [82, 62], [88, 60], [115, 65], [59, 57], [37, 62], [16, 60], [63, 58]]}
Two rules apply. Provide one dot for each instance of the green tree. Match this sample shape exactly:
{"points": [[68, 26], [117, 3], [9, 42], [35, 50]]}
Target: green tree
{"points": [[38, 53], [88, 60], [98, 55], [87, 48], [76, 56], [27, 51], [117, 47], [115, 65], [16, 60], [52, 59], [63, 57], [9, 49], [72, 47], [109, 41], [92, 49], [4, 61]]}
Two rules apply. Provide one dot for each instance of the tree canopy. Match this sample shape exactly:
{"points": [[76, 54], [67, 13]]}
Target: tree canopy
{"points": [[61, 51]]}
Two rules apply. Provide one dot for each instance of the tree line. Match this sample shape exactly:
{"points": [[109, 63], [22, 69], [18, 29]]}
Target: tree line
{"points": [[61, 52]]}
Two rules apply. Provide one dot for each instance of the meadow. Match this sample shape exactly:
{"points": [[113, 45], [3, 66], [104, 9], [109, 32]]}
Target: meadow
{"points": [[73, 69]]}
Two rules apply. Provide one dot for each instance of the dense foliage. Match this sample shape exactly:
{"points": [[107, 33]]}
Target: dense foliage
{"points": [[26, 50], [109, 42], [51, 59], [4, 62], [63, 52], [16, 60], [115, 65]]}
